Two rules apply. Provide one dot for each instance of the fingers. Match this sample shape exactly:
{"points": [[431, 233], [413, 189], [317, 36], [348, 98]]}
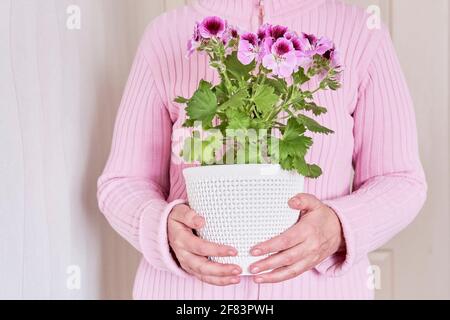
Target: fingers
{"points": [[188, 217], [304, 202], [282, 259], [205, 248], [284, 273], [290, 263], [292, 237], [191, 251], [203, 266], [218, 281]]}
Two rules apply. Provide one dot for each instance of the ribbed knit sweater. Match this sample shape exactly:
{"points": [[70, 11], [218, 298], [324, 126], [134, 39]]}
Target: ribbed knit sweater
{"points": [[372, 178]]}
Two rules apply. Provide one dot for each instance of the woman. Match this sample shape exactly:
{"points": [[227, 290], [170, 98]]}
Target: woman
{"points": [[142, 192]]}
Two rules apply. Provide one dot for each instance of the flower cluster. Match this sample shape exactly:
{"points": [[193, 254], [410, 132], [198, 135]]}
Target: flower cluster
{"points": [[211, 28], [283, 51], [277, 48], [263, 87]]}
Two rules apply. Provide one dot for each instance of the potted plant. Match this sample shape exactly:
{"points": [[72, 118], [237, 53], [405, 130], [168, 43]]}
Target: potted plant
{"points": [[249, 133]]}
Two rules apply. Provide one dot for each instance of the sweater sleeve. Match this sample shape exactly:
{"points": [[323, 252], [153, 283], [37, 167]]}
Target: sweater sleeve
{"points": [[134, 185], [389, 186]]}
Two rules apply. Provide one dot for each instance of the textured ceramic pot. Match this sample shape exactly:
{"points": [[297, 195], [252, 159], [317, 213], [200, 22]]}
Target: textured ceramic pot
{"points": [[243, 205]]}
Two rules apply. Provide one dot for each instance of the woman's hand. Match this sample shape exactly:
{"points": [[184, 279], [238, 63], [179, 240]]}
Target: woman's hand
{"points": [[316, 236], [192, 252]]}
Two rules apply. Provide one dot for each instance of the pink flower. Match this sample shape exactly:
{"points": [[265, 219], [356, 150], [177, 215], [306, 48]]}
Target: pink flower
{"points": [[311, 45], [234, 32], [307, 46], [192, 47], [194, 43], [248, 49], [282, 47], [196, 35], [334, 57], [264, 31], [277, 32], [323, 45], [229, 34], [290, 35], [274, 46], [212, 27], [209, 28], [265, 47], [251, 38], [282, 60]]}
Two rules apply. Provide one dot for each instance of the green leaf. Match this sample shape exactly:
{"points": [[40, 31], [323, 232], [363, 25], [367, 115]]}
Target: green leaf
{"points": [[279, 85], [189, 123], [312, 125], [334, 85], [265, 98], [305, 169], [308, 95], [237, 119], [232, 43], [287, 163], [300, 77], [298, 147], [236, 69], [300, 103], [181, 100], [257, 123], [236, 101], [332, 81], [221, 92], [311, 106], [203, 104], [293, 130], [205, 84], [294, 143]]}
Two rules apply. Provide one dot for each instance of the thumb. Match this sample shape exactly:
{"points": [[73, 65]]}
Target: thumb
{"points": [[304, 202]]}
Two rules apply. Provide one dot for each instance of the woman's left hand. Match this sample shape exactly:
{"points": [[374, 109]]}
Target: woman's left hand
{"points": [[316, 236]]}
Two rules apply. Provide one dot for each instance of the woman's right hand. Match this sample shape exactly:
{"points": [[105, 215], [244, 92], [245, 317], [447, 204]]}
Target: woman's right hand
{"points": [[192, 252]]}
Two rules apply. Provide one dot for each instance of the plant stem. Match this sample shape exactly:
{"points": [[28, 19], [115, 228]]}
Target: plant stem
{"points": [[228, 84], [218, 57]]}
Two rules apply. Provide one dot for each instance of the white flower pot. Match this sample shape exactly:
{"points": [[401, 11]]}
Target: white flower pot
{"points": [[243, 205]]}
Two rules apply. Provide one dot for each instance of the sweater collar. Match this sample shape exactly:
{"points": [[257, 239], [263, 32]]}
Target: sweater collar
{"points": [[244, 8]]}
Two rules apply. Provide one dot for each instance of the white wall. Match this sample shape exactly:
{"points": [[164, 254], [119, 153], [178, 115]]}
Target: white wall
{"points": [[59, 92]]}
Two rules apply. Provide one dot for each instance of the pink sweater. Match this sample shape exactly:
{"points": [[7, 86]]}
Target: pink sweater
{"points": [[372, 116]]}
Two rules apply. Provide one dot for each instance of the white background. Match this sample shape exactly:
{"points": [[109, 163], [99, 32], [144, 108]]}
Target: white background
{"points": [[59, 93]]}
